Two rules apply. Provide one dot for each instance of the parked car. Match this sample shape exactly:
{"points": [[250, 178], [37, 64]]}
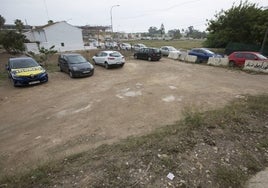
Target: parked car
{"points": [[203, 54], [136, 47], [75, 65], [125, 46], [166, 49], [111, 45], [25, 71], [148, 54], [239, 58], [109, 59]]}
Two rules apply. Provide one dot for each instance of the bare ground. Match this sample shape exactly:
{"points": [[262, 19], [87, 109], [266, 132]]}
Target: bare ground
{"points": [[66, 116]]}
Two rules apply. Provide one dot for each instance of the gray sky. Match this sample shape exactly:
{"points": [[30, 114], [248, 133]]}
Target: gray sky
{"points": [[130, 16]]}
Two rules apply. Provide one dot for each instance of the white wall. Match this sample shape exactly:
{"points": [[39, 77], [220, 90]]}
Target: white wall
{"points": [[216, 61], [257, 66], [36, 35], [65, 33]]}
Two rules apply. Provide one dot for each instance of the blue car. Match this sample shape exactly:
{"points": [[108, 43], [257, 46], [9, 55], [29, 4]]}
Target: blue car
{"points": [[25, 71], [202, 54]]}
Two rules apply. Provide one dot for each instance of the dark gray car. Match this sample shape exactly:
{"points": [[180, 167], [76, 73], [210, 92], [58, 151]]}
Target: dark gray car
{"points": [[75, 65]]}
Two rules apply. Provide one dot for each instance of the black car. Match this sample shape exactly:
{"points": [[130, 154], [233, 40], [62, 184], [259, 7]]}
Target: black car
{"points": [[150, 54], [75, 65], [25, 71]]}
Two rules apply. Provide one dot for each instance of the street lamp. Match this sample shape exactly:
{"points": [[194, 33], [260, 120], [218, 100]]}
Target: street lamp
{"points": [[111, 14], [265, 35]]}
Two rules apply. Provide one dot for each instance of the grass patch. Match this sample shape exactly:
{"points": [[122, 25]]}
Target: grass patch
{"points": [[230, 177], [179, 44], [219, 148]]}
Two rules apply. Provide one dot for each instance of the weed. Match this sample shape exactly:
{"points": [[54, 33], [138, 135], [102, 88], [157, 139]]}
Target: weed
{"points": [[192, 118], [230, 177]]}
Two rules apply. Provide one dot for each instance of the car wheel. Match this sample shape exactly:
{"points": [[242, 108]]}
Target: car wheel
{"points": [[135, 56], [71, 74], [231, 64], [149, 59], [106, 65], [13, 82], [60, 69], [121, 65]]}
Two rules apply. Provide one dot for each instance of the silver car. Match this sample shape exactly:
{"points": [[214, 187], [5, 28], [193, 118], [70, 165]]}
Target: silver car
{"points": [[166, 49], [109, 59], [136, 47]]}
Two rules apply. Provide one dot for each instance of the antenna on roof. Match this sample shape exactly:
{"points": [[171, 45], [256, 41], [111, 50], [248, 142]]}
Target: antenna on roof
{"points": [[46, 9]]}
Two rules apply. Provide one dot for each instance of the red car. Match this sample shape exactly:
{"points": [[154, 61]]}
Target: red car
{"points": [[239, 58]]}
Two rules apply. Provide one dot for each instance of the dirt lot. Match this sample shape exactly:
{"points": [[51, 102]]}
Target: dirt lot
{"points": [[66, 116]]}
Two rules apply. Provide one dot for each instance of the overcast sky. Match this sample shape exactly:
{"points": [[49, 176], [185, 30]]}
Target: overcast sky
{"points": [[130, 16]]}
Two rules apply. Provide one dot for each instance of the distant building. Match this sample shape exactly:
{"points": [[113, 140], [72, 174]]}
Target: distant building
{"points": [[62, 35], [12, 27], [95, 32]]}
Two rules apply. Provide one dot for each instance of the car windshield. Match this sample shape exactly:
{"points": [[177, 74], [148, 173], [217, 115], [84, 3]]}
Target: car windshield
{"points": [[74, 59], [261, 57], [22, 63], [172, 49], [115, 54], [156, 50], [208, 51]]}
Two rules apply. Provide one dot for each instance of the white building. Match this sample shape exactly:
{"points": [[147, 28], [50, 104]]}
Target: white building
{"points": [[62, 35]]}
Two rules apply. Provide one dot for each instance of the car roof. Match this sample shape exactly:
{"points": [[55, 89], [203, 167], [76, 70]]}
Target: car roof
{"points": [[150, 48], [17, 58], [246, 52], [110, 51], [70, 54]]}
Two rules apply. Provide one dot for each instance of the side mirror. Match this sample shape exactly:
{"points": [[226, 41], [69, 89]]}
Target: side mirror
{"points": [[7, 68]]}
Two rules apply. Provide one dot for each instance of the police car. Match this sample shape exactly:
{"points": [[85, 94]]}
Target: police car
{"points": [[25, 71]]}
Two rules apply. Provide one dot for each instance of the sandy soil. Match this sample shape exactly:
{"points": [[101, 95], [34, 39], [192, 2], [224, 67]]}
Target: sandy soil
{"points": [[66, 116]]}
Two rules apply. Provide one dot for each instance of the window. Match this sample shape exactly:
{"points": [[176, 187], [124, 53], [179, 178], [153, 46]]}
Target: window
{"points": [[250, 56], [239, 55]]}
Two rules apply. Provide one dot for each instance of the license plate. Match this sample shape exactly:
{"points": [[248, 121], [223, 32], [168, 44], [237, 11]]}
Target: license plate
{"points": [[86, 72], [34, 82]]}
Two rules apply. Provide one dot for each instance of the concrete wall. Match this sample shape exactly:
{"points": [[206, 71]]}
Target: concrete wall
{"points": [[182, 56], [257, 66], [190, 58], [174, 55], [218, 61]]}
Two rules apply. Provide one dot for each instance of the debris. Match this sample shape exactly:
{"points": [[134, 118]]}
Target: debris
{"points": [[170, 176]]}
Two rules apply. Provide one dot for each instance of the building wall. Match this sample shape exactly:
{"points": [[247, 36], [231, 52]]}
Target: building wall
{"points": [[64, 37]]}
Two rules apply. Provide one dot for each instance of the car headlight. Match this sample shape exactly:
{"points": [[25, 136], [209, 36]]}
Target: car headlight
{"points": [[14, 75]]}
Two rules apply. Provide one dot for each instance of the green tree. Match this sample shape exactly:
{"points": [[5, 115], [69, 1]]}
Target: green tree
{"points": [[175, 33], [19, 25], [13, 42], [196, 34], [2, 21], [245, 23], [153, 31], [45, 54], [50, 22]]}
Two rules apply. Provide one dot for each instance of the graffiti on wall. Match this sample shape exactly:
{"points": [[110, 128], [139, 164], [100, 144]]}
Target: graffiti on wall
{"points": [[258, 66], [218, 61]]}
